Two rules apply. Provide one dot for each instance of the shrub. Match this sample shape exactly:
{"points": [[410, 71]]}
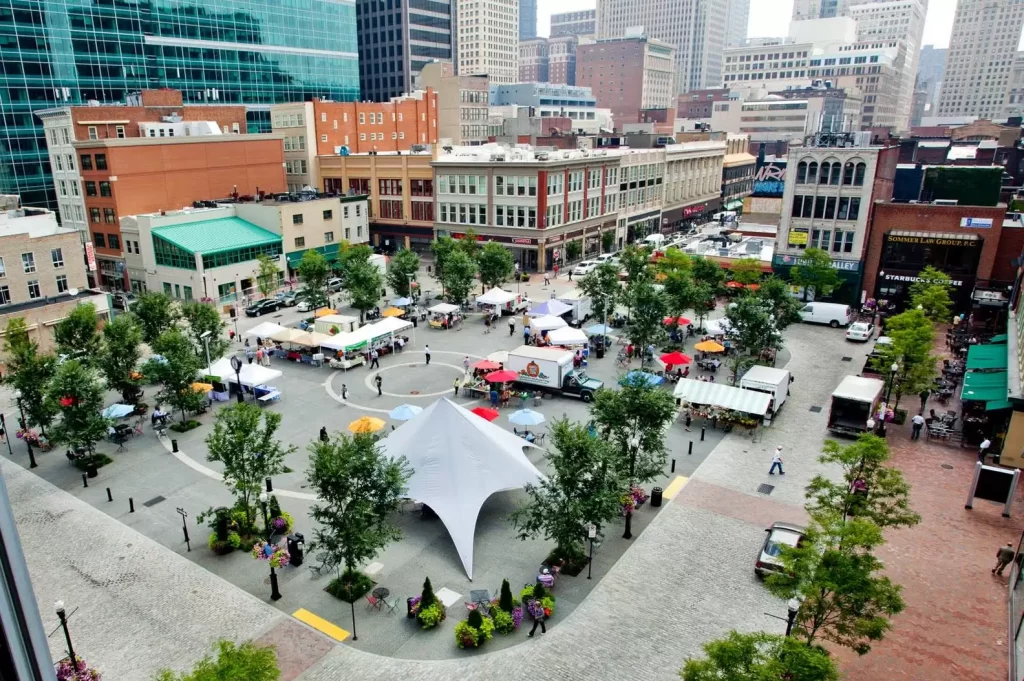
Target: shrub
{"points": [[180, 427], [505, 600], [466, 636], [427, 597], [97, 459], [221, 548], [432, 615], [475, 619], [350, 587], [234, 540], [475, 631], [274, 506], [503, 621]]}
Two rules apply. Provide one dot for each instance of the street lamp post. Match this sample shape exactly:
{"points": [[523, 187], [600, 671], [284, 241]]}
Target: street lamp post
{"points": [[888, 394], [236, 364], [24, 427], [7, 434], [206, 346], [275, 594], [62, 615], [592, 535], [634, 447], [794, 607]]}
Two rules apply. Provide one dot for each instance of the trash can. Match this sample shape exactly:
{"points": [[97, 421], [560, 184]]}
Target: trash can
{"points": [[222, 514], [296, 543], [538, 398], [656, 497]]}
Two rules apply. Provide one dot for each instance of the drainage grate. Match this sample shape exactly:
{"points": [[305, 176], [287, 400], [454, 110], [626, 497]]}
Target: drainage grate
{"points": [[947, 466], [847, 359], [154, 501], [815, 410], [765, 488]]}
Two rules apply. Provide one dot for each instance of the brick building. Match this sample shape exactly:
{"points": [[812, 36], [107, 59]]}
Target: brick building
{"points": [[123, 177], [548, 60], [628, 75], [698, 104]]}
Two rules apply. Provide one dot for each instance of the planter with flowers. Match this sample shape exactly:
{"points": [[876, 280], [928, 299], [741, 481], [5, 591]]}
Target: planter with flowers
{"points": [[506, 611], [277, 556], [282, 524], [476, 630], [80, 671], [538, 600], [426, 608], [633, 499]]}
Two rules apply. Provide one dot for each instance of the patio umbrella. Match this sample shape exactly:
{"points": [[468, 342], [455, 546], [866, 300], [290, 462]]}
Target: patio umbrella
{"points": [[598, 330], [365, 424], [641, 378], [485, 413], [709, 346], [392, 312], [674, 358], [683, 321], [485, 365], [503, 376], [117, 411], [527, 417], [501, 356], [323, 312], [753, 287], [401, 302], [404, 412], [733, 284]]}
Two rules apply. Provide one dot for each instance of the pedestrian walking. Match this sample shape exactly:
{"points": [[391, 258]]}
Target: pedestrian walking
{"points": [[344, 391], [917, 423], [570, 275], [983, 449], [1004, 556], [547, 280], [250, 354], [537, 610], [526, 335], [379, 381], [266, 357], [465, 364], [426, 351], [556, 270], [324, 437], [374, 359], [777, 462], [925, 394], [259, 356], [487, 324], [511, 327], [455, 387], [494, 398]]}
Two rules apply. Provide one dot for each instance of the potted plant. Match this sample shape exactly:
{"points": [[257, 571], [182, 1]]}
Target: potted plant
{"points": [[277, 556], [476, 630], [426, 608], [79, 671], [537, 600], [506, 611]]}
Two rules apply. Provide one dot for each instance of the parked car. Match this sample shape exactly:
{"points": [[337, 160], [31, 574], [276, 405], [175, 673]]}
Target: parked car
{"points": [[261, 307], [860, 331], [585, 267], [778, 535], [334, 284], [288, 298], [304, 305], [607, 257], [124, 300], [833, 314]]}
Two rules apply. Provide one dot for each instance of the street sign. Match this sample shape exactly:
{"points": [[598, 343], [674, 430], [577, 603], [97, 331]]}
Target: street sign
{"points": [[592, 531]]}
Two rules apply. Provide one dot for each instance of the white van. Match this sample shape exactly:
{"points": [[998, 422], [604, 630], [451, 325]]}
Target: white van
{"points": [[833, 314]]}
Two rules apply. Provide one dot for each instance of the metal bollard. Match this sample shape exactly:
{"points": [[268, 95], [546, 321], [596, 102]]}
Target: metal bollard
{"points": [[673, 465], [702, 433], [110, 497], [131, 505], [85, 480], [689, 450], [174, 446]]}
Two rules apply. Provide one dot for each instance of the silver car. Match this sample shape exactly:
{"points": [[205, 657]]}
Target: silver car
{"points": [[778, 535]]}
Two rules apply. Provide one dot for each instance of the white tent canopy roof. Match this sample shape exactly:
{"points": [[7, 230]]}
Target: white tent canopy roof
{"points": [[365, 334], [264, 330], [251, 374], [567, 336], [717, 327], [496, 296], [444, 308], [553, 307], [724, 396], [547, 323], [459, 460]]}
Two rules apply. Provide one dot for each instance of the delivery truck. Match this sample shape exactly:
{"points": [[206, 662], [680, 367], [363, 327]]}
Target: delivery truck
{"points": [[581, 307], [853, 403], [774, 382], [550, 370]]}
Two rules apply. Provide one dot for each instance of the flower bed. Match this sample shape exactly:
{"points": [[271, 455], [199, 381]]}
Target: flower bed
{"points": [[277, 556], [538, 601], [474, 631], [426, 608], [80, 671], [350, 587], [180, 427], [97, 459]]}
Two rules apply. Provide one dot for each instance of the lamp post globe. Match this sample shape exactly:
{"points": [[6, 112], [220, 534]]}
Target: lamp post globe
{"points": [[236, 364]]}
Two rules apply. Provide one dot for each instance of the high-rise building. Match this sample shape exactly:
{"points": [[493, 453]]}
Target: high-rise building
{"points": [[580, 23], [931, 67], [527, 19], [548, 60], [736, 22], [982, 50], [249, 52], [462, 103], [696, 28], [396, 40], [628, 76], [488, 39], [1015, 95]]}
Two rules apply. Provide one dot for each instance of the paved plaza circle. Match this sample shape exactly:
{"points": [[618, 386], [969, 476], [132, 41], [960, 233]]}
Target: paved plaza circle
{"points": [[418, 366]]}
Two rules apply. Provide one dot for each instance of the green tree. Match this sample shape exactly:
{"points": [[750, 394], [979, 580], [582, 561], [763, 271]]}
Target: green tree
{"points": [[314, 271], [710, 273], [775, 295], [120, 356], [156, 313], [746, 271], [753, 326], [704, 300], [268, 274], [243, 441], [815, 273], [29, 373], [582, 488], [496, 265], [77, 335], [931, 293], [635, 263], [603, 289], [177, 372], [760, 657], [573, 249], [443, 247], [245, 662], [358, 490], [913, 338], [469, 243], [363, 281], [402, 271], [608, 241], [203, 318], [459, 272], [76, 394], [647, 316]]}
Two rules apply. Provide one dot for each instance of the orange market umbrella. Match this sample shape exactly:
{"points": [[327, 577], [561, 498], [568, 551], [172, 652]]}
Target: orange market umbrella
{"points": [[393, 312], [365, 424], [675, 358], [485, 413], [323, 312], [753, 287], [485, 365], [709, 346], [501, 376], [733, 284], [202, 387]]}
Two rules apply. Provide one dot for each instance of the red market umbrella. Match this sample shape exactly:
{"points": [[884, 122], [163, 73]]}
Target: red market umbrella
{"points": [[672, 321], [683, 321], [485, 413], [486, 365], [733, 284], [675, 358], [668, 321], [753, 287], [501, 376]]}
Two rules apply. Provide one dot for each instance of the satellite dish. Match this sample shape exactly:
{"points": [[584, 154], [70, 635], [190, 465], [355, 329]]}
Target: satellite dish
{"points": [[72, 292]]}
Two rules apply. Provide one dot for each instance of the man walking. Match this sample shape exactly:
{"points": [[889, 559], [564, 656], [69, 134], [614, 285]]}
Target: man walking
{"points": [[983, 449], [455, 387], [537, 611], [324, 437], [924, 395], [426, 351], [511, 326], [1004, 556], [374, 359], [378, 380], [465, 365], [777, 462], [917, 424], [344, 392], [547, 279]]}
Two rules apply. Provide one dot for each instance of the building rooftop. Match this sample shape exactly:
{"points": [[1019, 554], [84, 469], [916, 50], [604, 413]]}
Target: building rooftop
{"points": [[214, 236], [34, 222], [155, 141]]}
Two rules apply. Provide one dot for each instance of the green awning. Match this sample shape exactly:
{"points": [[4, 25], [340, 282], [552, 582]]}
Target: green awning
{"points": [[733, 205], [984, 386], [330, 251], [986, 357], [997, 404], [1001, 338]]}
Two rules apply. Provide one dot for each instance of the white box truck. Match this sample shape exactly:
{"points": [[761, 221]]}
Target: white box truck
{"points": [[581, 307], [853, 403], [550, 370], [774, 382]]}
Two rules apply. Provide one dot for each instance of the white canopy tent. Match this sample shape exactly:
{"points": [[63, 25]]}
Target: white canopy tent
{"points": [[459, 460], [723, 396], [367, 334], [264, 330], [250, 374], [567, 336], [547, 323], [553, 307], [717, 327], [443, 308], [496, 296]]}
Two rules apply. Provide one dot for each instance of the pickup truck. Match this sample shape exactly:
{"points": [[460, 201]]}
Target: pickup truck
{"points": [[551, 370], [853, 403]]}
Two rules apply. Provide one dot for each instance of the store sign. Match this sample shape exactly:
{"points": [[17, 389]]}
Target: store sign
{"points": [[518, 240], [976, 223], [931, 241], [911, 279], [694, 210], [770, 180], [90, 256], [841, 265], [798, 237], [459, 235]]}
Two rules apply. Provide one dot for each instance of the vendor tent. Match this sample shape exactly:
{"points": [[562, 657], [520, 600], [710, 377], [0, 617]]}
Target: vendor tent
{"points": [[367, 334], [443, 308], [553, 307], [264, 330], [250, 374], [458, 461], [567, 336], [287, 335], [389, 325], [496, 296], [723, 396], [547, 323], [717, 327]]}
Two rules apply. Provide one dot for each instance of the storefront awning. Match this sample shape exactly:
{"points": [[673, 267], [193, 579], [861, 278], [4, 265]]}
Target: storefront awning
{"points": [[1001, 338], [986, 357], [723, 396], [330, 251], [984, 386], [733, 205]]}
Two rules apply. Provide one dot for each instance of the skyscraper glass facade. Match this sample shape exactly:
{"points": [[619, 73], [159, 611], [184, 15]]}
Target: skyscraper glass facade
{"points": [[527, 19], [252, 52]]}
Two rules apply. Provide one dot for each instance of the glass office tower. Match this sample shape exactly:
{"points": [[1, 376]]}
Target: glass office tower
{"points": [[253, 52]]}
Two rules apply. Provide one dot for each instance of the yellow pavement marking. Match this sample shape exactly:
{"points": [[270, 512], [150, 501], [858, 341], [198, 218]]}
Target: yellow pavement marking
{"points": [[673, 489], [320, 624]]}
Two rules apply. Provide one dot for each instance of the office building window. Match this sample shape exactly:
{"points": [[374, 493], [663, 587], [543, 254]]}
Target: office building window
{"points": [[423, 210], [104, 188], [5, 295], [33, 289], [62, 283], [99, 239], [328, 214], [328, 237], [90, 188], [113, 242], [101, 161], [108, 216], [391, 210], [3, 268], [57, 255], [94, 214], [93, 133], [120, 132], [297, 219], [86, 162], [28, 262], [300, 241]]}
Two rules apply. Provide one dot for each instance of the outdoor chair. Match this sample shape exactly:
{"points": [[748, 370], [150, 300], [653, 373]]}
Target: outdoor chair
{"points": [[323, 565], [538, 438], [392, 604], [372, 602]]}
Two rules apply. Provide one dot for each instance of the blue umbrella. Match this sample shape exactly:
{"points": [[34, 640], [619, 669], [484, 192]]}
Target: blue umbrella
{"points": [[401, 302], [641, 378], [118, 411], [598, 330], [404, 412], [527, 417]]}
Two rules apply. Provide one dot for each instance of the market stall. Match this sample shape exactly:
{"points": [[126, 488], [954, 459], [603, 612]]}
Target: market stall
{"points": [[250, 376], [264, 330], [445, 316], [354, 348], [723, 404], [334, 324], [567, 336]]}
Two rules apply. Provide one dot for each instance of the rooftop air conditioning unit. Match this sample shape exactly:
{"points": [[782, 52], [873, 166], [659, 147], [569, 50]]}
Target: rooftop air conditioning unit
{"points": [[418, 148], [542, 156], [497, 157]]}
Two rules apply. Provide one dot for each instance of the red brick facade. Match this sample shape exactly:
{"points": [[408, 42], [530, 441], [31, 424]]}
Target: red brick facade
{"points": [[375, 126], [107, 120]]}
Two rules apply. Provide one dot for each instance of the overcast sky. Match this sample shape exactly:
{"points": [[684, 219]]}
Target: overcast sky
{"points": [[771, 17]]}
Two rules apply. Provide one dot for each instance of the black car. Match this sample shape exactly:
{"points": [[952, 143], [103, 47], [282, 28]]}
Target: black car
{"points": [[260, 308]]}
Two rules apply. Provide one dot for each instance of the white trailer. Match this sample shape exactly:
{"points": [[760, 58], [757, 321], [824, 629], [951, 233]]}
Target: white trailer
{"points": [[580, 304], [774, 382]]}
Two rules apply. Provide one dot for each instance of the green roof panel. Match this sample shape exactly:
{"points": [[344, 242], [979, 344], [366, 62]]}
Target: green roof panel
{"points": [[984, 386], [986, 357], [214, 236]]}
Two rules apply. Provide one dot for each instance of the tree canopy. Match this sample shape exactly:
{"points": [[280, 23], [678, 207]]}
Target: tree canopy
{"points": [[77, 336], [363, 282], [177, 372], [459, 273], [156, 312], [815, 273], [646, 315], [913, 338], [268, 274], [203, 318], [603, 289], [931, 293], [760, 657], [244, 662], [496, 265], [402, 270], [746, 270], [636, 413], [314, 271], [76, 394], [120, 357], [29, 372]]}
